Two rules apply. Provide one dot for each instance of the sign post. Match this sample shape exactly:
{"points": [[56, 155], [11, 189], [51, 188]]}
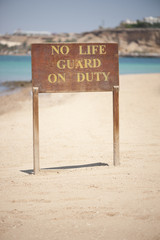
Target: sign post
{"points": [[75, 67], [116, 125], [35, 130]]}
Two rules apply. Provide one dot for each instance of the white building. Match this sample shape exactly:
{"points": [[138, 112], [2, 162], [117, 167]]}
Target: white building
{"points": [[30, 33], [128, 21], [151, 19]]}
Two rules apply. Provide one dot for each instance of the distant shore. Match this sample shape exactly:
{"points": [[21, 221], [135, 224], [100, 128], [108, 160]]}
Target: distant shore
{"points": [[143, 42], [140, 55], [8, 87]]}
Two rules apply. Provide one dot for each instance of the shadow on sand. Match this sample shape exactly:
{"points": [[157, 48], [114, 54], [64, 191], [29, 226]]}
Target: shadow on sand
{"points": [[99, 164]]}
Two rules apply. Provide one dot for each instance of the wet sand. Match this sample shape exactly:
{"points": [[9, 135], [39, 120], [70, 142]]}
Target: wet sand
{"points": [[83, 196]]}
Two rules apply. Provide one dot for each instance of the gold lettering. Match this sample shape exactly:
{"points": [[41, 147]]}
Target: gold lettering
{"points": [[81, 63], [97, 75], [106, 76], [60, 49], [87, 63], [96, 63], [80, 51], [94, 49], [69, 65], [89, 49], [87, 77], [101, 49], [80, 77], [66, 50], [55, 49], [61, 64], [53, 78], [78, 64], [92, 76], [62, 77]]}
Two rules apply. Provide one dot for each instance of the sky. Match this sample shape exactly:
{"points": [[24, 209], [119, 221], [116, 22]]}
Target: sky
{"points": [[68, 16]]}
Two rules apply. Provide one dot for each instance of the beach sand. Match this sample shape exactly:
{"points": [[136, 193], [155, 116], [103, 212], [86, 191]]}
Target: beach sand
{"points": [[93, 200]]}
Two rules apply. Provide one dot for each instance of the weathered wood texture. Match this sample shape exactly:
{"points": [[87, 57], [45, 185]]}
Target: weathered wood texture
{"points": [[35, 131], [75, 67], [116, 160], [85, 67]]}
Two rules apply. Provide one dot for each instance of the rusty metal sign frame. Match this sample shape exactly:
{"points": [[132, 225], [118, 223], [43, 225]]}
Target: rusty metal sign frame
{"points": [[47, 59]]}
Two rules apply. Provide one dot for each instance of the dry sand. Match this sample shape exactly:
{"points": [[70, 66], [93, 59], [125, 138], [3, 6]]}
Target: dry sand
{"points": [[89, 202]]}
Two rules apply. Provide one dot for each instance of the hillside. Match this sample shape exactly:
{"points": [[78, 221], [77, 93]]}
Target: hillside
{"points": [[132, 42]]}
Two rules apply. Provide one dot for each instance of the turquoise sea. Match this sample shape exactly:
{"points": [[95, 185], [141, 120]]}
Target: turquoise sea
{"points": [[18, 68]]}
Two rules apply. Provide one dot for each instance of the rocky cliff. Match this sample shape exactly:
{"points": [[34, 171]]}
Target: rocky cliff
{"points": [[132, 42]]}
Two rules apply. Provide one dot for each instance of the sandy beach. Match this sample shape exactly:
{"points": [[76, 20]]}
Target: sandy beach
{"points": [[83, 196]]}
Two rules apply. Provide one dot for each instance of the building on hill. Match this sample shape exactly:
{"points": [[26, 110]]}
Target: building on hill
{"points": [[31, 33], [146, 22], [151, 20]]}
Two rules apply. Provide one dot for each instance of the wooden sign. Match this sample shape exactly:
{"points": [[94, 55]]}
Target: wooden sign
{"points": [[82, 67]]}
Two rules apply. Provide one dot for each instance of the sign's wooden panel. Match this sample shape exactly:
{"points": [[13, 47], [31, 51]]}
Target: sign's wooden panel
{"points": [[75, 67]]}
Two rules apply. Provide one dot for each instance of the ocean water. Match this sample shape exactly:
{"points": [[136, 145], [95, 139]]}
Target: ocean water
{"points": [[18, 68], [15, 68], [137, 65]]}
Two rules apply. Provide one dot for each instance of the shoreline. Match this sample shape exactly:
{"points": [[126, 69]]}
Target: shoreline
{"points": [[9, 87]]}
